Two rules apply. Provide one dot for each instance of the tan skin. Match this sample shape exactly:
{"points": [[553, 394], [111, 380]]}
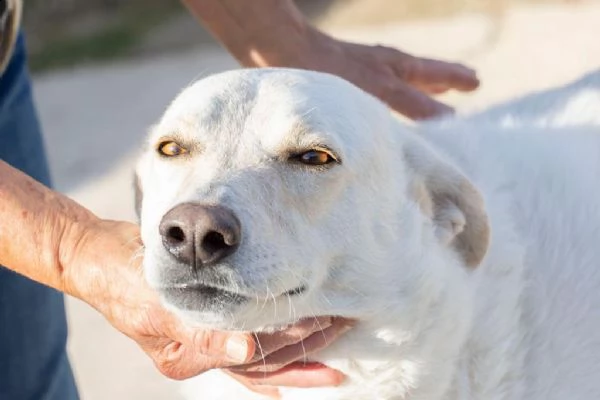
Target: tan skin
{"points": [[55, 241], [263, 33]]}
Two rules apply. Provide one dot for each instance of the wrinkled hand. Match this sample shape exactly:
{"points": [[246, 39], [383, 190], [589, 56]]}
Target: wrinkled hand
{"points": [[402, 81], [108, 276]]}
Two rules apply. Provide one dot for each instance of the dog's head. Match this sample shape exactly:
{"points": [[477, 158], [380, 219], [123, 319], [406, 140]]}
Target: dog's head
{"points": [[275, 194]]}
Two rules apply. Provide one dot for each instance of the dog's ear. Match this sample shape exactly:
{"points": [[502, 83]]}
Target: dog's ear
{"points": [[138, 196], [452, 202]]}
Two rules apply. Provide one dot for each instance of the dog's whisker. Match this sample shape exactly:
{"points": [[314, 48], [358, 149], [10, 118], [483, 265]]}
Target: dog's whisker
{"points": [[280, 280], [321, 329], [262, 354], [265, 300], [137, 254], [304, 356], [270, 294], [200, 75]]}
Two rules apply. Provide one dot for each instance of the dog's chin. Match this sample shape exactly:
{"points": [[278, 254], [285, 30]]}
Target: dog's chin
{"points": [[202, 298], [212, 307]]}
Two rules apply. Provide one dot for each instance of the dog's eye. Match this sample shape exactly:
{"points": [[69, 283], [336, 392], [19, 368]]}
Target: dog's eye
{"points": [[315, 157], [171, 149]]}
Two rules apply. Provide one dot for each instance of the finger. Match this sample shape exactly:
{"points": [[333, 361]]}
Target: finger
{"points": [[424, 71], [299, 351], [431, 89], [294, 375], [225, 347], [182, 360], [413, 103], [173, 360], [268, 343], [185, 352]]}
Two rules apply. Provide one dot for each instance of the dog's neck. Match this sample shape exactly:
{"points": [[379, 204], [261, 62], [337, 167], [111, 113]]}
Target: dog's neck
{"points": [[419, 355], [457, 353]]}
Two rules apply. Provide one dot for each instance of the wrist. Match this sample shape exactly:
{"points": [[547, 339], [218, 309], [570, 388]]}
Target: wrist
{"points": [[72, 246], [100, 262]]}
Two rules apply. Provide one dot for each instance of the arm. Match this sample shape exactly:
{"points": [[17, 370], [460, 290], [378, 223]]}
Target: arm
{"points": [[255, 32], [35, 223], [262, 33]]}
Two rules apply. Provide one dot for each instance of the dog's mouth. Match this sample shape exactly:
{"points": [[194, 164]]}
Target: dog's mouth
{"points": [[196, 295], [203, 289], [295, 292]]}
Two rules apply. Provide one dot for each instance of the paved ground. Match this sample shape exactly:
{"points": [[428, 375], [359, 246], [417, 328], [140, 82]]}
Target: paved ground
{"points": [[95, 119]]}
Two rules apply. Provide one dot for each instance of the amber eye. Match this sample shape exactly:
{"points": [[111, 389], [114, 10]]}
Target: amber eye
{"points": [[171, 149], [315, 157]]}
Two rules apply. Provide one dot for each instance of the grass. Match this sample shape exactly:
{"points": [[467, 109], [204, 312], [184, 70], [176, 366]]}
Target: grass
{"points": [[62, 52], [113, 39]]}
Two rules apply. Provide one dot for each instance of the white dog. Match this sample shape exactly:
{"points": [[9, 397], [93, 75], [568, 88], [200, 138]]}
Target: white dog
{"points": [[468, 249]]}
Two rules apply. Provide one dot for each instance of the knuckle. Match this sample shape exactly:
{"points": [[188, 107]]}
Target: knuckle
{"points": [[391, 53], [406, 71], [204, 342], [169, 363], [382, 89]]}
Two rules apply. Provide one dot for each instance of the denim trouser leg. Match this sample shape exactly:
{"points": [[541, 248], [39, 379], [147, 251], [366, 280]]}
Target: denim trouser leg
{"points": [[33, 330]]}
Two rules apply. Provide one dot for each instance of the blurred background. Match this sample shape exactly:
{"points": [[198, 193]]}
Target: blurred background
{"points": [[104, 70]]}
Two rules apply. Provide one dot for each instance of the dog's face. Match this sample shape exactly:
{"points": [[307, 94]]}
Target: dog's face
{"points": [[271, 195]]}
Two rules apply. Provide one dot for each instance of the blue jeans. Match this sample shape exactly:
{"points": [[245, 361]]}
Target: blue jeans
{"points": [[33, 327]]}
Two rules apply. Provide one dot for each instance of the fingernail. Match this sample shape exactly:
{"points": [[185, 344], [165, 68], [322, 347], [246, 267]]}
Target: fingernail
{"points": [[237, 349], [346, 325]]}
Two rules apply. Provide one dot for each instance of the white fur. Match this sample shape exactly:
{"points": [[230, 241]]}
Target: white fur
{"points": [[468, 248]]}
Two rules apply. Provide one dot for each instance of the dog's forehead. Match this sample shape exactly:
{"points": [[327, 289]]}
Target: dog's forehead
{"points": [[271, 104]]}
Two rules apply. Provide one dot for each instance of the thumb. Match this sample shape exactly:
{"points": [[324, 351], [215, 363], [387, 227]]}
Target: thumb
{"points": [[196, 352], [226, 348]]}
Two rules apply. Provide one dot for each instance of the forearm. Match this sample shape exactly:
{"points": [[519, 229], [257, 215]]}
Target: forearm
{"points": [[254, 31], [36, 227]]}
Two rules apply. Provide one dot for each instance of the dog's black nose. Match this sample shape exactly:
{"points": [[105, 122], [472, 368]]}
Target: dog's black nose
{"points": [[200, 235]]}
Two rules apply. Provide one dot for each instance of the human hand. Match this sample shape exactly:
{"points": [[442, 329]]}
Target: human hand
{"points": [[402, 81], [105, 271], [274, 33]]}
